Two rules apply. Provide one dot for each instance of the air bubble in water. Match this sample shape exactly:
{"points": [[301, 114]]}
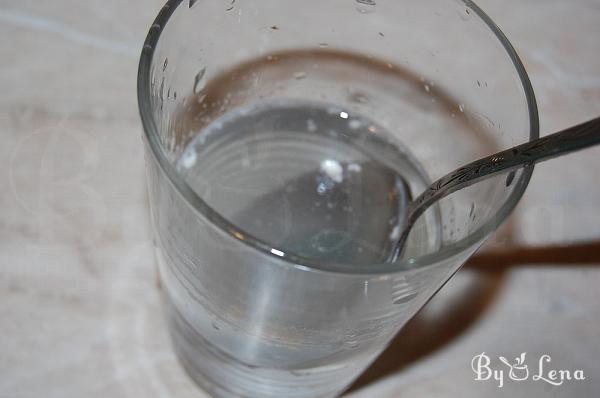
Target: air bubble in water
{"points": [[188, 160], [461, 108], [355, 124], [365, 6], [165, 64], [333, 170], [354, 168], [465, 15], [321, 189], [329, 240]]}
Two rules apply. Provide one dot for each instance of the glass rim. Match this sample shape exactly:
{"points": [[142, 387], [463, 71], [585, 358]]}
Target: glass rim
{"points": [[290, 259]]}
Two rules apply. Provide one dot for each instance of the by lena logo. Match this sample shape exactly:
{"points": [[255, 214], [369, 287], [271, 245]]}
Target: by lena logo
{"points": [[518, 370]]}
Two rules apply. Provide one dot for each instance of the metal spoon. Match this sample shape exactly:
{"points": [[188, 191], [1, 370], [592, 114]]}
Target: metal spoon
{"points": [[572, 139]]}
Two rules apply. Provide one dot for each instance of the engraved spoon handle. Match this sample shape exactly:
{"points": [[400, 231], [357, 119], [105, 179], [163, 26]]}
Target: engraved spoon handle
{"points": [[572, 139]]}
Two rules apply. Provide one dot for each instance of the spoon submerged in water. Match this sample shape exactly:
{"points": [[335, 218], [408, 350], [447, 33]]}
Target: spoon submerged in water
{"points": [[572, 139]]}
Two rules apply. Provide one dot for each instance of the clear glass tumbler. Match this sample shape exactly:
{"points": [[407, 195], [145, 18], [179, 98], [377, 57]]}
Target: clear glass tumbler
{"points": [[283, 139]]}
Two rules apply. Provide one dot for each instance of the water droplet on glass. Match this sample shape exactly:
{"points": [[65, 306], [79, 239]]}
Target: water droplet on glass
{"points": [[365, 6], [199, 81]]}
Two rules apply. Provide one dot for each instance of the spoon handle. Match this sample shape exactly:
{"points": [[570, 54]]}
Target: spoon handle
{"points": [[572, 139]]}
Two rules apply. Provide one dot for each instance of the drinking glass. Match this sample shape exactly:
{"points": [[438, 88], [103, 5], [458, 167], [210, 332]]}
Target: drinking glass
{"points": [[283, 139]]}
